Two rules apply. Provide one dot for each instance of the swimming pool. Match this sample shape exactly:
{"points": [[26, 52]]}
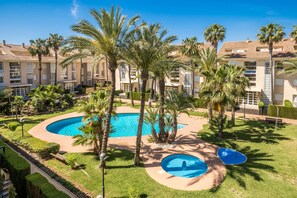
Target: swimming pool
{"points": [[124, 125], [182, 165], [231, 157]]}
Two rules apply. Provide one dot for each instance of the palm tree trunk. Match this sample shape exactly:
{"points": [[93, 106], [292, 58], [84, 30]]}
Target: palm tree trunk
{"points": [[174, 130], [138, 84], [161, 111], [140, 121], [110, 109], [151, 93], [193, 83], [39, 68], [220, 122], [210, 116], [154, 134], [56, 66], [271, 72], [81, 71], [130, 85], [106, 66], [233, 115]]}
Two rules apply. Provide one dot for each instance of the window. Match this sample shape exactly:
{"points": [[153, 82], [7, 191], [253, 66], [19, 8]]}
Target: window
{"points": [[1, 67], [1, 79], [197, 79], [278, 97], [294, 98], [53, 73], [267, 68], [250, 71], [15, 72], [44, 77], [279, 82], [187, 79], [103, 69], [251, 98], [123, 72], [30, 72], [97, 71]]}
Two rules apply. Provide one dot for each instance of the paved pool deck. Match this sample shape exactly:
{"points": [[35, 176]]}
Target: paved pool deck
{"points": [[152, 154]]}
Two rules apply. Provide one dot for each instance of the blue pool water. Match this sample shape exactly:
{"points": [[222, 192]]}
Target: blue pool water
{"points": [[182, 165], [231, 157], [124, 125]]}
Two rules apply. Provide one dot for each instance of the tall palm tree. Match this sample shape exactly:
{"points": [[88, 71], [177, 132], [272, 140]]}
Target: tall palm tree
{"points": [[39, 48], [214, 34], [55, 41], [106, 40], [293, 34], [207, 62], [176, 103], [190, 47], [142, 51], [270, 34], [239, 84]]}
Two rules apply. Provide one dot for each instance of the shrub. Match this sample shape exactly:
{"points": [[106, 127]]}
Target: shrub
{"points": [[12, 126], [287, 103], [38, 187], [118, 92], [199, 103], [18, 169], [42, 148], [261, 104], [284, 112], [71, 161], [80, 90], [137, 96]]}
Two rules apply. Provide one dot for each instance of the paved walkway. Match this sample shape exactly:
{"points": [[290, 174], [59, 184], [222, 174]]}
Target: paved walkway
{"points": [[152, 154]]}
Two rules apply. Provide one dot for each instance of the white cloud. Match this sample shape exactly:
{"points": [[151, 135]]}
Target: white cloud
{"points": [[74, 8]]}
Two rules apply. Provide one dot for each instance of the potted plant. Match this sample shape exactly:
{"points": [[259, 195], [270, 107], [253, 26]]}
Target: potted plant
{"points": [[261, 106]]}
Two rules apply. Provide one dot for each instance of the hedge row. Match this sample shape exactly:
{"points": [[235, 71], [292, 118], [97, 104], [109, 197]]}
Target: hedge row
{"points": [[41, 148], [284, 112], [137, 95], [18, 168], [38, 186]]}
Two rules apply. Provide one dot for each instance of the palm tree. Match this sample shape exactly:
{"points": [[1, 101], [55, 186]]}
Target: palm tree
{"points": [[217, 90], [40, 48], [55, 41], [239, 84], [151, 118], [207, 62], [130, 85], [176, 103], [105, 40], [142, 51], [214, 34], [18, 103], [190, 47], [270, 34], [94, 109], [290, 67], [293, 34]]}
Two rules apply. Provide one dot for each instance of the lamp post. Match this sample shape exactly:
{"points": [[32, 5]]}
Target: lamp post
{"points": [[102, 160]]}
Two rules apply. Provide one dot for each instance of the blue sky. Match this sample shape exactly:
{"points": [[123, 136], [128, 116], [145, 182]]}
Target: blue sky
{"points": [[22, 20]]}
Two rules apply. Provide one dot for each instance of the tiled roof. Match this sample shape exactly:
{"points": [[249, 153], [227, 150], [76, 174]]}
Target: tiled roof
{"points": [[254, 49]]}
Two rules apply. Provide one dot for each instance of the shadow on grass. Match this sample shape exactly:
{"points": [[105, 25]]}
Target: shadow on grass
{"points": [[247, 131]]}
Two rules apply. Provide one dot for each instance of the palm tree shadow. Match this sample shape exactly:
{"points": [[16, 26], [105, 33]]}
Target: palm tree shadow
{"points": [[257, 160]]}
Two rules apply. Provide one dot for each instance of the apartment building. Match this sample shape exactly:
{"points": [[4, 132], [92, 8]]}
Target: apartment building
{"points": [[254, 56], [19, 70]]}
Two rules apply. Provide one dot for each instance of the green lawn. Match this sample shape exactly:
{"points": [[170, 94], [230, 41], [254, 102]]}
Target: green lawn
{"points": [[271, 169]]}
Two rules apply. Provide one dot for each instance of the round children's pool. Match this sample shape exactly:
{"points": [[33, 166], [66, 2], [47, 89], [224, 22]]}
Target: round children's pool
{"points": [[182, 165], [123, 125]]}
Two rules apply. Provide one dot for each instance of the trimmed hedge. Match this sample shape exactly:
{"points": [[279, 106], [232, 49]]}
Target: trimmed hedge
{"points": [[284, 112], [41, 148], [39, 187], [137, 95], [18, 169]]}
